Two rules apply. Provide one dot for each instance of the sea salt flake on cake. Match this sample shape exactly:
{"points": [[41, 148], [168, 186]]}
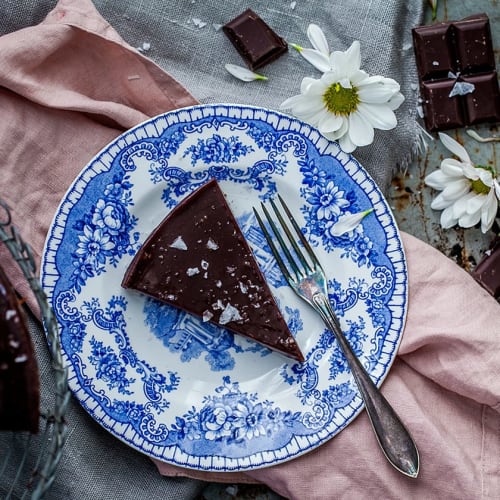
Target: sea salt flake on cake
{"points": [[211, 244], [192, 271], [230, 313], [179, 244], [207, 315]]}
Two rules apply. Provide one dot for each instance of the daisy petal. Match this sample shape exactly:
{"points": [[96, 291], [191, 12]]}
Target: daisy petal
{"points": [[447, 218], [454, 147], [375, 93], [379, 115], [330, 123], [318, 39], [469, 220], [346, 144], [348, 222], [440, 203], [360, 130], [452, 167], [317, 59], [396, 100], [456, 189], [437, 180], [243, 74], [475, 203], [489, 212]]}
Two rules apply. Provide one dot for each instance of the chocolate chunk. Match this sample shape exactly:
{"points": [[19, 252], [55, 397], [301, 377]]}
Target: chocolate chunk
{"points": [[487, 272], [456, 66], [256, 42], [19, 377]]}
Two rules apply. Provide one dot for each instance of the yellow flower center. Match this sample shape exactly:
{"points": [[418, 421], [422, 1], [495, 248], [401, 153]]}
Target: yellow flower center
{"points": [[340, 100], [478, 186]]}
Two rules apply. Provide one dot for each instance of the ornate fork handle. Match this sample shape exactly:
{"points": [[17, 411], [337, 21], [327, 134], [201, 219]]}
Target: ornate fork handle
{"points": [[392, 435]]}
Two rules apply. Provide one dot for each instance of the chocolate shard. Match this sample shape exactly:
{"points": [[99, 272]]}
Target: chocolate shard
{"points": [[456, 66], [19, 379], [257, 43], [198, 260]]}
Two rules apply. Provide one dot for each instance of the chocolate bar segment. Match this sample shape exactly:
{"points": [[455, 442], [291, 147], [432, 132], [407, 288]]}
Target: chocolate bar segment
{"points": [[256, 42], [456, 66], [487, 272]]}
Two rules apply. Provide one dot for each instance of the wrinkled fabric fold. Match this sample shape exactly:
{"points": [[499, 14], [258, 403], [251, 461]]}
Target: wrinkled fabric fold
{"points": [[68, 87]]}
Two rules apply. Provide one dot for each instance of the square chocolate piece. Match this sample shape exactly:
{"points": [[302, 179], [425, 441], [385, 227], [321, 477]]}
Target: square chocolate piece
{"points": [[458, 79], [256, 42]]}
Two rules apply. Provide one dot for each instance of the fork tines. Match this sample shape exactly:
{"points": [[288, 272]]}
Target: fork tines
{"points": [[284, 244]]}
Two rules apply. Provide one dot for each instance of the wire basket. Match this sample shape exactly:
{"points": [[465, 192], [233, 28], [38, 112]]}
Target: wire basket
{"points": [[28, 465]]}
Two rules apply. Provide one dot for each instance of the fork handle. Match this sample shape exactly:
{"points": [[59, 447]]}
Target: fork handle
{"points": [[393, 437]]}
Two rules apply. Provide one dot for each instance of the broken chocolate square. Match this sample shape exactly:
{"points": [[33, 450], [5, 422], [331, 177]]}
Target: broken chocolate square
{"points": [[256, 42], [456, 66]]}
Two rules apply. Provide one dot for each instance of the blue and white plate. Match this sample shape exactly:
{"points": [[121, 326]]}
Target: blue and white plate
{"points": [[189, 393]]}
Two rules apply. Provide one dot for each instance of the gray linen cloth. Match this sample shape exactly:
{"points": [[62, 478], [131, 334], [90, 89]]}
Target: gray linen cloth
{"points": [[173, 33]]}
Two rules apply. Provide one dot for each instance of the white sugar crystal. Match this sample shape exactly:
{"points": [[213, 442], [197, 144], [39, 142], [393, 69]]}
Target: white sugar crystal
{"points": [[171, 296], [462, 88], [293, 5], [9, 314], [435, 63], [179, 244], [230, 269], [198, 22], [204, 265], [218, 283], [217, 27], [21, 358], [207, 315], [211, 245], [14, 343], [191, 271], [243, 288], [230, 313]]}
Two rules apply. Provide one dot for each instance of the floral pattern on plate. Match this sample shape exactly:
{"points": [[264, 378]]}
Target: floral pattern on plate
{"points": [[188, 392]]}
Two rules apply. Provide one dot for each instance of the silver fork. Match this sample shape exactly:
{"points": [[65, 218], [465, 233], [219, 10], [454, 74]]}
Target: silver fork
{"points": [[307, 278]]}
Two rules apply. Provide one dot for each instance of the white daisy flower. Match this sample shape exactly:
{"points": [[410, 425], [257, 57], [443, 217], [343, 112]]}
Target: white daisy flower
{"points": [[469, 193], [346, 104]]}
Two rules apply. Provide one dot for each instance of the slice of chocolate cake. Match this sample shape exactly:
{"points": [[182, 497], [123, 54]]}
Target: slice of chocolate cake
{"points": [[198, 260], [19, 380]]}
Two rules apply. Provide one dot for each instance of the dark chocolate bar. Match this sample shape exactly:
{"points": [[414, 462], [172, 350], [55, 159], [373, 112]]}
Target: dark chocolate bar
{"points": [[487, 272], [456, 66], [256, 42]]}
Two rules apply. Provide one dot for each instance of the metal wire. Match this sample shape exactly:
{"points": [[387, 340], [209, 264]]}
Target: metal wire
{"points": [[50, 443]]}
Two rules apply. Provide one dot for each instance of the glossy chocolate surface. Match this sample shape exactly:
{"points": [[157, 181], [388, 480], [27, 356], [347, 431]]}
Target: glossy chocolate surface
{"points": [[19, 380], [257, 43], [198, 260], [457, 53], [487, 272]]}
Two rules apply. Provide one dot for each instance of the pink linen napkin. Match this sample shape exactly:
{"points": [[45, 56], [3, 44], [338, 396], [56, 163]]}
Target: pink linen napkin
{"points": [[70, 85], [67, 88]]}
